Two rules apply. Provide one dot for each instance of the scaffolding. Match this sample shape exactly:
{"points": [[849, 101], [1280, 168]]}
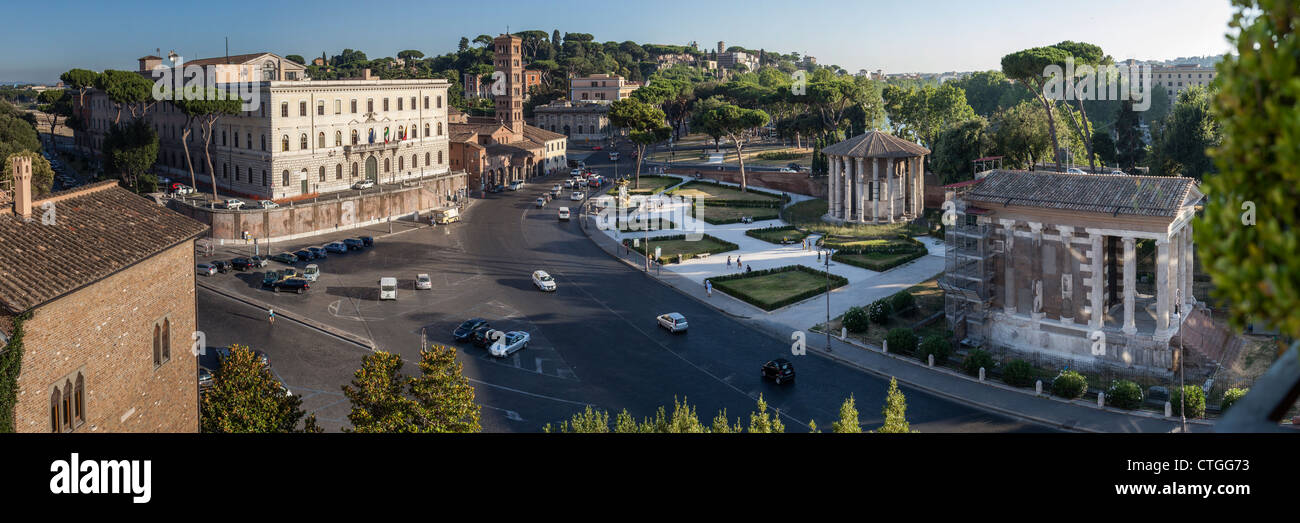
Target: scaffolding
{"points": [[971, 259]]}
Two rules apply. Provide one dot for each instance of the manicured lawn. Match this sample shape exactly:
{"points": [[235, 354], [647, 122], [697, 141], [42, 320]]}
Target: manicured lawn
{"points": [[670, 248], [654, 225], [707, 190], [808, 215], [770, 290], [717, 214], [882, 261], [649, 185], [776, 235]]}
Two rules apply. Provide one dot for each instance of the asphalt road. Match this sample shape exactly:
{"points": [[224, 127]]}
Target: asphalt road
{"points": [[594, 340]]}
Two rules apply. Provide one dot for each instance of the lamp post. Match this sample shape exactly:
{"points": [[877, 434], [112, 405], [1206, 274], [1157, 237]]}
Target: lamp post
{"points": [[1182, 391], [828, 300]]}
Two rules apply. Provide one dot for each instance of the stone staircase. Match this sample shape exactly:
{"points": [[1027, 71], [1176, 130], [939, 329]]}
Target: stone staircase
{"points": [[1206, 342]]}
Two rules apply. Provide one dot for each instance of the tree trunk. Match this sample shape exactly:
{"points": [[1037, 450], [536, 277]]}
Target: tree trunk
{"points": [[1087, 134], [740, 158], [640, 153], [185, 144], [207, 155]]}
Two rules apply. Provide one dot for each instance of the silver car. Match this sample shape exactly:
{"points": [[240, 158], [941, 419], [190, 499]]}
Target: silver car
{"points": [[672, 321], [509, 343]]}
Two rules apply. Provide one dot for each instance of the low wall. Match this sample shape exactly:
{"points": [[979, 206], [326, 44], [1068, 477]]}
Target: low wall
{"points": [[341, 212], [795, 183]]}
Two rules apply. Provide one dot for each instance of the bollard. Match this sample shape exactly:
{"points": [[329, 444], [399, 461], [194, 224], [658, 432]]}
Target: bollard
{"points": [[1038, 387], [931, 360], [1169, 410], [981, 374], [884, 346], [844, 333], [1101, 399]]}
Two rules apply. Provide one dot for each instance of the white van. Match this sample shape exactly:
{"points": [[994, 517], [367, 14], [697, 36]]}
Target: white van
{"points": [[564, 214], [388, 288]]}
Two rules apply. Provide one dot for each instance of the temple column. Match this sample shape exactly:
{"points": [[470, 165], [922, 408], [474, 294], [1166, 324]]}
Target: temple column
{"points": [[1036, 248], [1098, 294], [860, 199], [848, 187], [1068, 281], [889, 191], [1175, 281], [1189, 272], [1130, 284], [875, 190], [831, 190], [1162, 284], [1008, 266]]}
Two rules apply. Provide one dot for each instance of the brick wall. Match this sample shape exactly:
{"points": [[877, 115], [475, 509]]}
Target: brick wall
{"points": [[105, 330]]}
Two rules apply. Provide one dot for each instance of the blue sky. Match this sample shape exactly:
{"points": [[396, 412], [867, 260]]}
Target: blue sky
{"points": [[919, 35]]}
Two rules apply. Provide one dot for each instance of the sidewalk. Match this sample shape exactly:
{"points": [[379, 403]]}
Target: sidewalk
{"points": [[1080, 416]]}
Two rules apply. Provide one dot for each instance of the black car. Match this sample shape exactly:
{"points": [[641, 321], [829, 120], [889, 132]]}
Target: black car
{"points": [[221, 265], [297, 285], [367, 241], [318, 252], [285, 257], [482, 336], [465, 329], [270, 278], [354, 244], [779, 370], [497, 188], [304, 255], [241, 264]]}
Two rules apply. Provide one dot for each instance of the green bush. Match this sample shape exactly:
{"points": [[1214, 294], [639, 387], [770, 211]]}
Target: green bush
{"points": [[1124, 394], [1019, 373], [855, 319], [901, 340], [901, 301], [976, 359], [879, 311], [1195, 401], [781, 155], [1231, 396], [936, 345], [1070, 385]]}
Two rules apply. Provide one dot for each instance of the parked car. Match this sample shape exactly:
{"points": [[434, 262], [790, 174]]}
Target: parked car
{"points": [[241, 264], [497, 188], [304, 255], [541, 201], [182, 189], [311, 272], [267, 204], [515, 185], [286, 257], [788, 170], [509, 343], [422, 281], [367, 241], [568, 184], [298, 285], [221, 265], [484, 336], [1074, 170], [354, 244], [363, 184], [388, 288], [318, 252], [467, 328], [595, 147], [205, 269], [234, 204], [258, 261], [672, 321], [779, 370], [543, 281], [205, 379], [270, 278], [564, 214], [336, 247], [1118, 172]]}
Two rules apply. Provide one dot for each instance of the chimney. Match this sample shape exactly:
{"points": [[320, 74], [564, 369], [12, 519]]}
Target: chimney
{"points": [[22, 166], [365, 74]]}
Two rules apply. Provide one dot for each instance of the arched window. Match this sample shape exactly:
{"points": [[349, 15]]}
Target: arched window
{"points": [[338, 138], [386, 169], [426, 130], [302, 141], [268, 73], [401, 129], [284, 178], [79, 400], [66, 408], [439, 157], [401, 160], [439, 128], [284, 143], [354, 167], [338, 171], [426, 159], [320, 140], [354, 137], [415, 161], [167, 338], [56, 404], [157, 345]]}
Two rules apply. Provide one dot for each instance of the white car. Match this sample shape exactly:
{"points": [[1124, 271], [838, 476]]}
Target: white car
{"points": [[541, 202], [234, 204], [508, 343], [311, 272], [363, 184], [205, 269], [267, 204], [183, 189], [388, 288], [564, 214], [672, 321], [788, 170], [576, 196], [575, 172], [422, 281], [543, 281], [1118, 172], [1075, 170]]}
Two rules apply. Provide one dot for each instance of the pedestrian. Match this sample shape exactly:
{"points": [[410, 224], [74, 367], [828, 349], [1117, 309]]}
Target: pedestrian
{"points": [[728, 261], [737, 261], [271, 316], [708, 286], [749, 269]]}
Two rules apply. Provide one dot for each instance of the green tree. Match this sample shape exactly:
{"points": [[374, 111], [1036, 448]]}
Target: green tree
{"points": [[1187, 135], [16, 134], [1104, 147], [737, 125], [42, 173], [895, 411], [1252, 265], [1026, 68], [410, 55], [1085, 56], [958, 146], [246, 397], [645, 125], [1130, 147], [55, 103], [848, 422], [440, 399], [127, 90], [131, 151], [923, 112], [762, 422], [296, 58], [1021, 134]]}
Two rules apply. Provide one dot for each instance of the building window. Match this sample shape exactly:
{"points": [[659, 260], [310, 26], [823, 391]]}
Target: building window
{"points": [[401, 160], [440, 102], [426, 102], [302, 141], [157, 345], [370, 105], [386, 165], [320, 140], [320, 108], [338, 106], [415, 161], [79, 400], [399, 104], [412, 103], [338, 138], [56, 406], [264, 142], [284, 143], [354, 106], [338, 171], [426, 130], [284, 178], [354, 137], [385, 105], [322, 174], [439, 157], [302, 107], [354, 169], [439, 128], [284, 109], [264, 180], [248, 138]]}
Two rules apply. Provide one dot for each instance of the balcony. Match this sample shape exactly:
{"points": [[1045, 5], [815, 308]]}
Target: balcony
{"points": [[369, 147]]}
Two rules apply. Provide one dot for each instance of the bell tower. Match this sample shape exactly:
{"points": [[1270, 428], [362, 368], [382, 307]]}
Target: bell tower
{"points": [[508, 82]]}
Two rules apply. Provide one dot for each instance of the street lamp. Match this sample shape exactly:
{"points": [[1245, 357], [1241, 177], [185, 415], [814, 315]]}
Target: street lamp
{"points": [[828, 300]]}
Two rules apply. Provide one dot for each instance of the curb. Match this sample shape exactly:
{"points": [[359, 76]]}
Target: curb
{"points": [[309, 323]]}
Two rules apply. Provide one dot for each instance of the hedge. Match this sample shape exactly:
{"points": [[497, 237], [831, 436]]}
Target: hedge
{"points": [[757, 233], [916, 248], [1231, 396], [687, 185], [879, 311], [1124, 394], [1195, 401], [936, 345], [901, 340], [855, 319], [1070, 385], [901, 301], [780, 155], [835, 281], [1018, 373], [723, 246], [975, 360]]}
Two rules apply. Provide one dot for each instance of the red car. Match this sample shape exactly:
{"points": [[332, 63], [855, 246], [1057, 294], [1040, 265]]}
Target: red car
{"points": [[595, 148]]}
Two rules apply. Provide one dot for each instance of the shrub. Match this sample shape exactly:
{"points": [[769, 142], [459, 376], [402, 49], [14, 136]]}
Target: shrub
{"points": [[901, 340], [1019, 373], [1195, 401], [976, 359], [878, 311], [1231, 396], [1069, 385], [1124, 394], [902, 301], [936, 345], [855, 319], [781, 155]]}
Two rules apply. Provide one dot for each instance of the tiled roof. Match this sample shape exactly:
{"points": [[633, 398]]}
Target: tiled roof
{"points": [[539, 135], [98, 230], [237, 59], [1101, 193], [876, 144]]}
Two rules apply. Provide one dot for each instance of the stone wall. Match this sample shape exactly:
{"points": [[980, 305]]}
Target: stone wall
{"points": [[342, 211], [796, 183]]}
